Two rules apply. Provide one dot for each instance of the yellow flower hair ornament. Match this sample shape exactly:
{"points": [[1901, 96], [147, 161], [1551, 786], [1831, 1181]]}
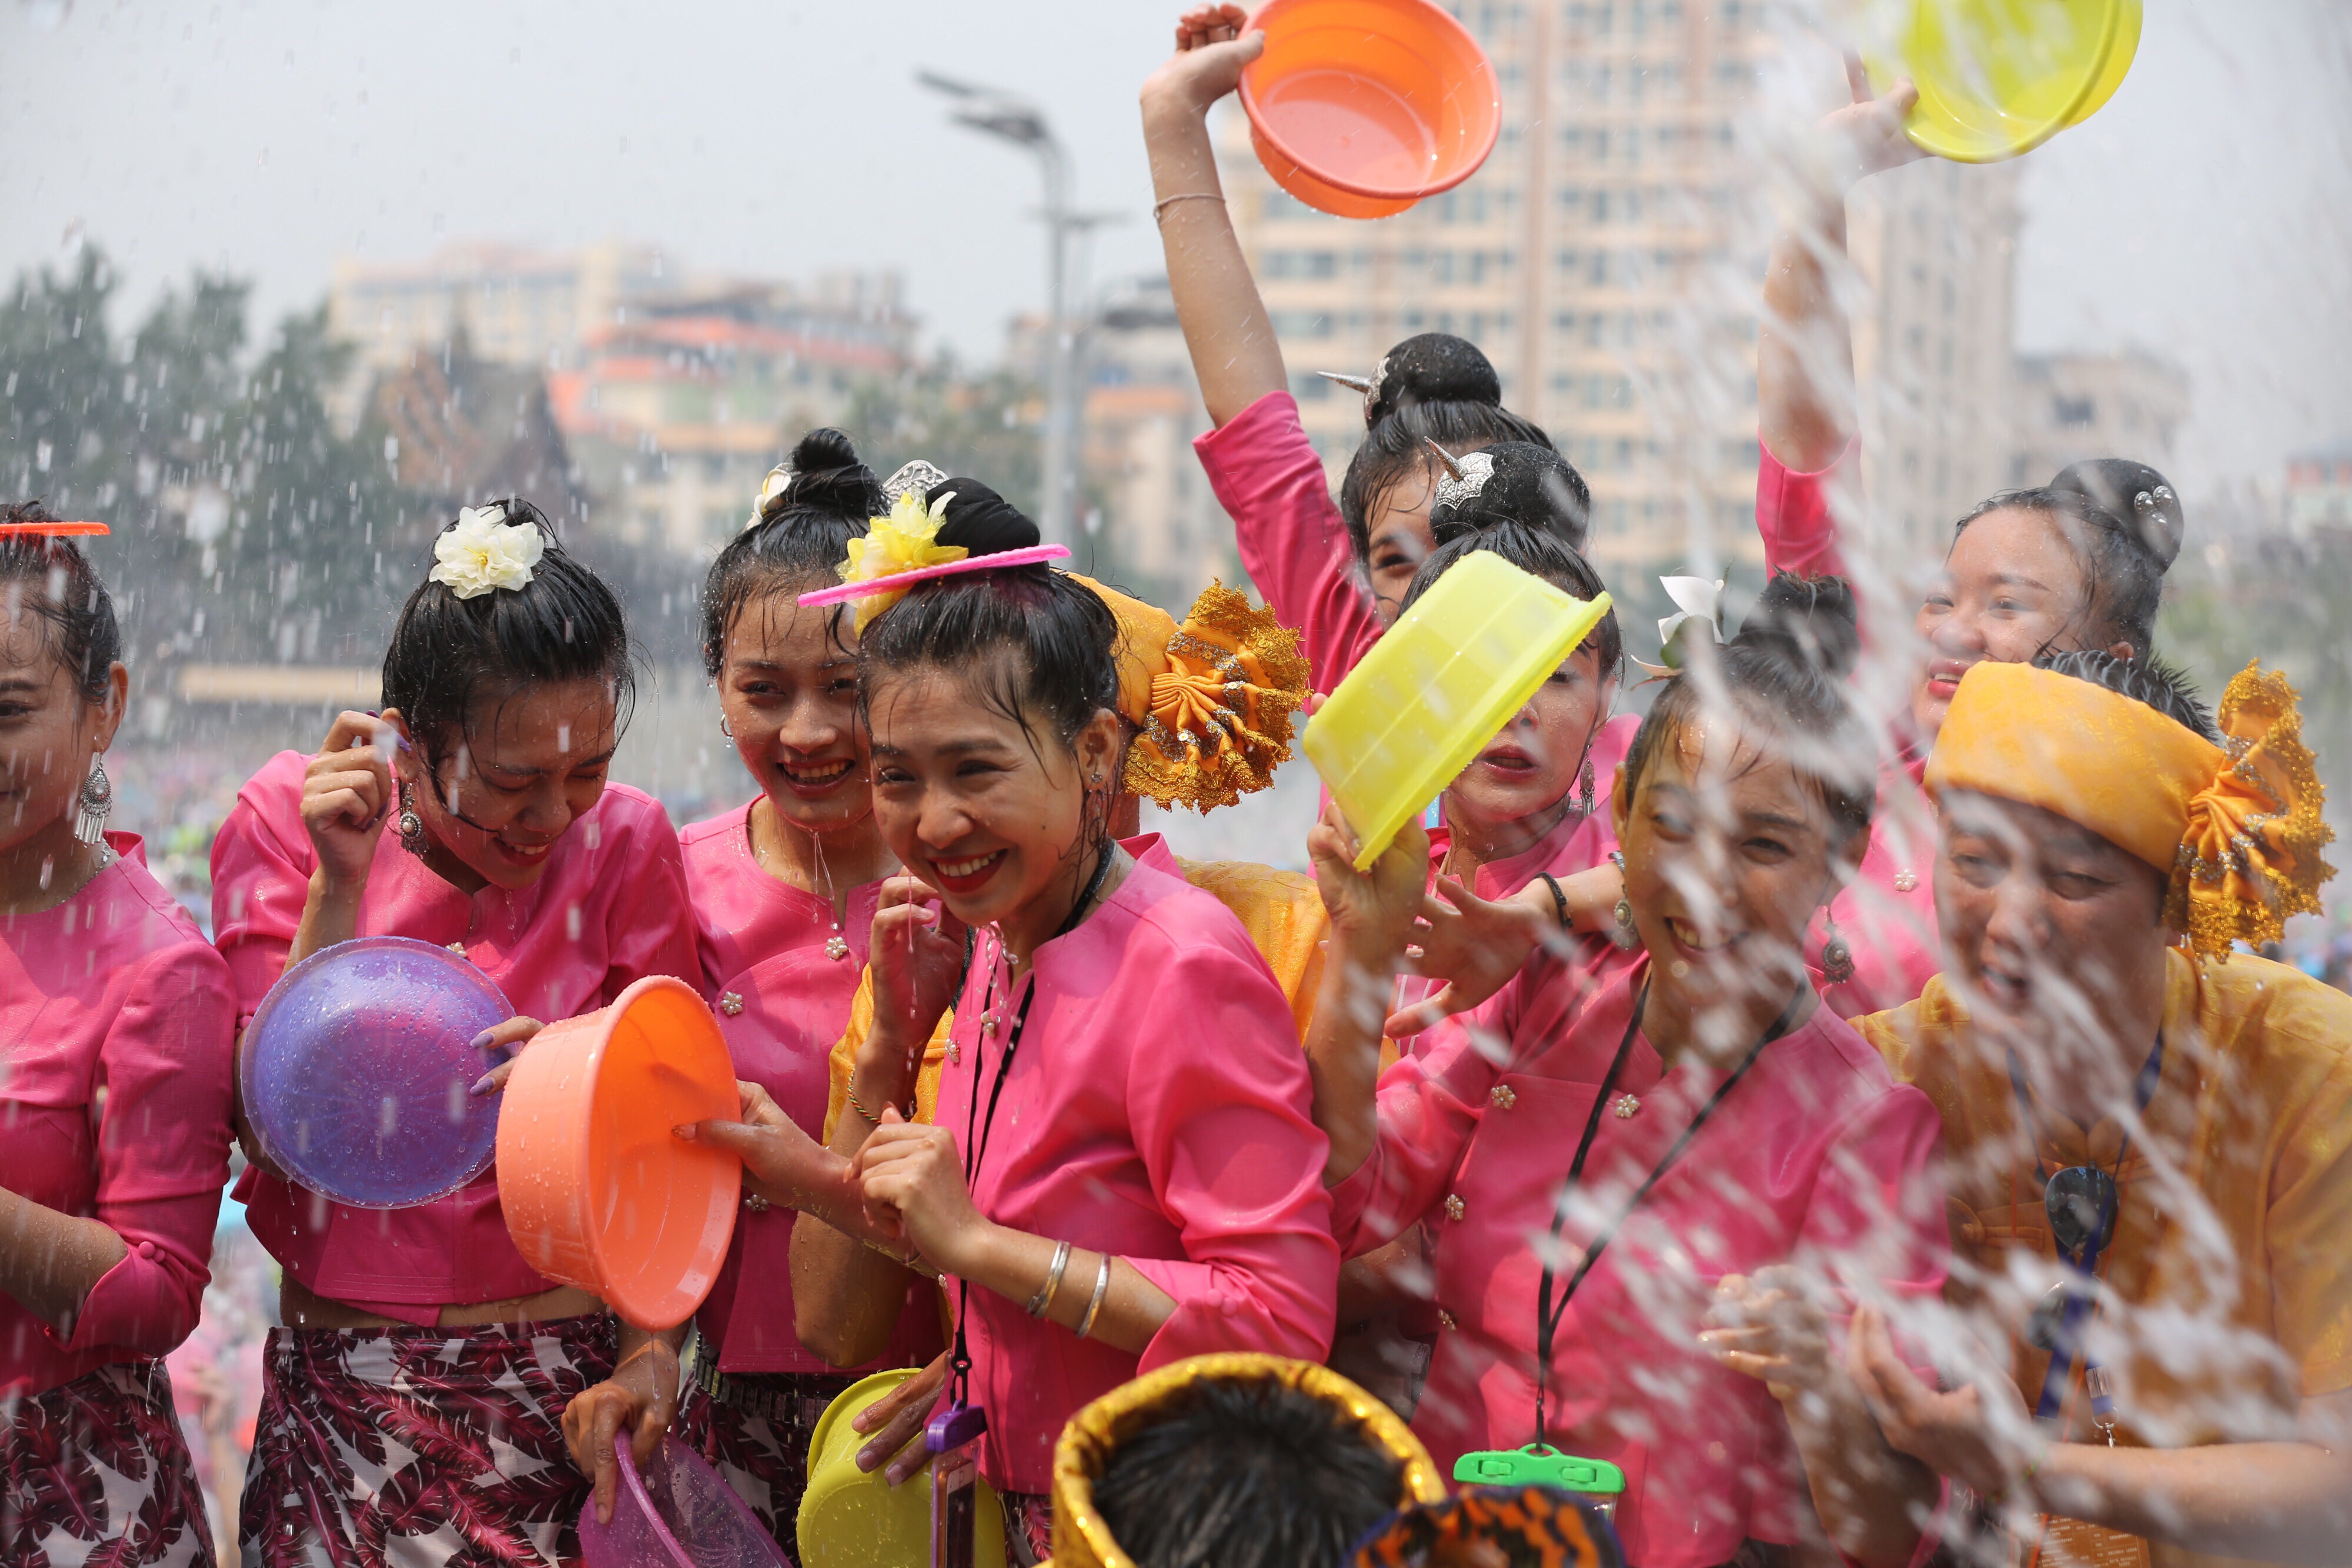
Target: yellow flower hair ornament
{"points": [[1218, 719], [906, 541], [2250, 857]]}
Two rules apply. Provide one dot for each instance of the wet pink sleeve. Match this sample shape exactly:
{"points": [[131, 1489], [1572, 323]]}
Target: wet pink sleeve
{"points": [[260, 880], [1268, 477], [1876, 1220], [162, 1150], [1219, 1109], [1795, 513], [651, 927], [1428, 1106]]}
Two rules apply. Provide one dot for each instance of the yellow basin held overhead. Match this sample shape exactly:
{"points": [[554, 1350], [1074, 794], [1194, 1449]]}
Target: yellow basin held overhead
{"points": [[1999, 77]]}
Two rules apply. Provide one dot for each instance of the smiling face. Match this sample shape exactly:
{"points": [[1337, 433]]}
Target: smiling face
{"points": [[990, 816], [787, 685], [1398, 541], [2055, 933], [1728, 854], [48, 730], [528, 766], [1532, 765], [2012, 586]]}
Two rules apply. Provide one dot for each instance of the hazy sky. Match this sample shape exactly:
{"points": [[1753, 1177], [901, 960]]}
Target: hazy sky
{"points": [[2207, 212]]}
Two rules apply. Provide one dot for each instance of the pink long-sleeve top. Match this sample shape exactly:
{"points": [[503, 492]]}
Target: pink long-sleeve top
{"points": [[116, 1025], [610, 908], [782, 999], [1817, 1157], [1887, 915], [1157, 1109]]}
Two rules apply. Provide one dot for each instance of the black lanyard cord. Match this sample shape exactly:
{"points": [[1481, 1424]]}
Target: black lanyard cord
{"points": [[1549, 1313], [977, 1131]]}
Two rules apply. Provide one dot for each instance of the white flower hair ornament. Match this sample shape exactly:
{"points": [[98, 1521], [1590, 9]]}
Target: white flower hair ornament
{"points": [[484, 551], [1701, 605]]}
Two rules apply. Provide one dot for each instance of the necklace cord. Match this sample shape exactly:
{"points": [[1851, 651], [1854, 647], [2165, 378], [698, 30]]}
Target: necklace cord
{"points": [[1549, 1313]]}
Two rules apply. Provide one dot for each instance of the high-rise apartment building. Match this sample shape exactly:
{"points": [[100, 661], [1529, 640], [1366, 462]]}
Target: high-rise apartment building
{"points": [[1609, 258]]}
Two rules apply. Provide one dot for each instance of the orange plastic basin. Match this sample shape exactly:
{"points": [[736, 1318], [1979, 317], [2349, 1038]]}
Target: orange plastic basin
{"points": [[598, 1191], [1361, 107]]}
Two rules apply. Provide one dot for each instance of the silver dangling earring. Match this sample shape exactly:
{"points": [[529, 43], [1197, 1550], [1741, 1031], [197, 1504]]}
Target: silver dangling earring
{"points": [[97, 800], [411, 827], [1837, 958], [1623, 933], [723, 729], [1584, 791]]}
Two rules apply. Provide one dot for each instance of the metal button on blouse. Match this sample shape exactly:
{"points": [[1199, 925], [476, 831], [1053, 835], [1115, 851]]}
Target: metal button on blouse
{"points": [[1503, 1096], [1454, 1207], [730, 1003]]}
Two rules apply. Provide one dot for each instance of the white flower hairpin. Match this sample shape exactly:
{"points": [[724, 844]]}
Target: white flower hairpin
{"points": [[773, 486], [484, 551], [1701, 606]]}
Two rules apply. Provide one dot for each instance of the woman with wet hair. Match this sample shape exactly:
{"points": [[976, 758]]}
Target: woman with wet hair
{"points": [[1337, 573], [116, 1023], [1623, 1151], [1076, 1181], [474, 812], [785, 888], [2144, 1129]]}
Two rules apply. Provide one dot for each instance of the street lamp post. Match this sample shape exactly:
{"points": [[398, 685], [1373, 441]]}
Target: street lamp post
{"points": [[1014, 118]]}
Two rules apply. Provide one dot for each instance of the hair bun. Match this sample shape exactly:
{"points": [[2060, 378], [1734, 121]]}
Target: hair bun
{"points": [[829, 477], [981, 520], [1433, 367], [1813, 621], [2137, 500], [1510, 482]]}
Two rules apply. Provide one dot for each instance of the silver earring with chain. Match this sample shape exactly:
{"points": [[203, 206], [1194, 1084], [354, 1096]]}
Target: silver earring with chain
{"points": [[410, 826], [96, 801]]}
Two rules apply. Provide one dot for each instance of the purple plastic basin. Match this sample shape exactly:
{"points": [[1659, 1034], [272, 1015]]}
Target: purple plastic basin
{"points": [[356, 1071], [677, 1514]]}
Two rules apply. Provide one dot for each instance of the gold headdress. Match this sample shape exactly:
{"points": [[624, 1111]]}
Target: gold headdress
{"points": [[2236, 826], [1211, 699], [1081, 1538]]}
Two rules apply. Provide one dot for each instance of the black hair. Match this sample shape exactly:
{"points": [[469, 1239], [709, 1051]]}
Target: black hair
{"points": [[801, 537], [71, 599], [1785, 670], [1432, 367], [1397, 448], [1540, 552], [2123, 545], [564, 624], [1245, 1472], [1517, 481], [2162, 686], [1043, 645]]}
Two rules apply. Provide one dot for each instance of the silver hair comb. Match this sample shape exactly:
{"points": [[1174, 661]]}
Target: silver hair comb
{"points": [[916, 476], [1463, 477]]}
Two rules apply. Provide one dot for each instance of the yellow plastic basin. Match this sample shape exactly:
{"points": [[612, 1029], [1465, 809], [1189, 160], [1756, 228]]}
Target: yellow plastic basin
{"points": [[853, 1519], [1436, 687], [1999, 77]]}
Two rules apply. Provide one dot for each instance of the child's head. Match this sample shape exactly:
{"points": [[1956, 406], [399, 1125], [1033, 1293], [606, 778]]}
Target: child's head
{"points": [[1533, 765], [62, 681], [787, 677], [1746, 801], [991, 699], [1244, 1471], [510, 683], [1432, 387], [2077, 563]]}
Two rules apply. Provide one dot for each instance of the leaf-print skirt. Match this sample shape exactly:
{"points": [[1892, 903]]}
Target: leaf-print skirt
{"points": [[95, 1471], [439, 1447]]}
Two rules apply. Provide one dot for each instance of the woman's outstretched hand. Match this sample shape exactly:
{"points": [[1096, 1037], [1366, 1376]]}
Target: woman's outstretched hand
{"points": [[780, 1162], [1473, 945], [1866, 136], [912, 1179], [1211, 50], [1371, 911]]}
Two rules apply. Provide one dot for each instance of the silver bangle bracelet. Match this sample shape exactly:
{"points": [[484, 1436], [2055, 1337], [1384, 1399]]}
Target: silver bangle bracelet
{"points": [[1043, 1299], [1102, 1288]]}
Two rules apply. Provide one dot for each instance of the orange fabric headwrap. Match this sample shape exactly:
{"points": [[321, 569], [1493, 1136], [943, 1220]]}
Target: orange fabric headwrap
{"points": [[2236, 827]]}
